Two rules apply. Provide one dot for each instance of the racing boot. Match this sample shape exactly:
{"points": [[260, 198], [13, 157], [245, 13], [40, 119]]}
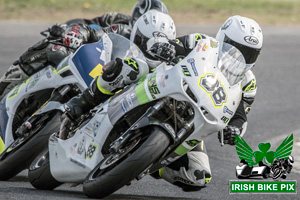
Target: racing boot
{"points": [[191, 172], [116, 74], [13, 76]]}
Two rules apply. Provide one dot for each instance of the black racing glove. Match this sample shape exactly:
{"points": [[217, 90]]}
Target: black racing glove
{"points": [[229, 134], [163, 50], [57, 30]]}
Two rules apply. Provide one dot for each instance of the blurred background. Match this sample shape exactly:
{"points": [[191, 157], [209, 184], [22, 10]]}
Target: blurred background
{"points": [[266, 12]]}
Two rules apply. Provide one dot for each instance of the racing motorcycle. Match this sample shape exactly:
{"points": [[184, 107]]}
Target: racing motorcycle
{"points": [[147, 125], [31, 111]]}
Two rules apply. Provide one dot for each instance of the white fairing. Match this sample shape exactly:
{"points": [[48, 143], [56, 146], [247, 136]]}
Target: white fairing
{"points": [[215, 102], [211, 115], [45, 79], [80, 154]]}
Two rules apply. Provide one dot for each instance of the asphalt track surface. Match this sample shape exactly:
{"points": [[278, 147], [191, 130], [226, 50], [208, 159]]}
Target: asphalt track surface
{"points": [[274, 116]]}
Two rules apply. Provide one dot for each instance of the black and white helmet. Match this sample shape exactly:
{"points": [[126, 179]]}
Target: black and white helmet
{"points": [[243, 33], [152, 24], [142, 6]]}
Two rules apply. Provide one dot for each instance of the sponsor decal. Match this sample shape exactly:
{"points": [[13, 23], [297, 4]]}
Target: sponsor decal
{"points": [[123, 106], [251, 40], [192, 62], [197, 38], [214, 88], [250, 86], [159, 34], [185, 70], [48, 74], [224, 119], [152, 86], [227, 110], [118, 79], [31, 84], [205, 47], [199, 45], [15, 91], [129, 100], [213, 44], [37, 56], [132, 63], [91, 150], [88, 129], [81, 145]]}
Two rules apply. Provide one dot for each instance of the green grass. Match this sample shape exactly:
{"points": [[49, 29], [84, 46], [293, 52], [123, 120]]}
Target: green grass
{"points": [[182, 11]]}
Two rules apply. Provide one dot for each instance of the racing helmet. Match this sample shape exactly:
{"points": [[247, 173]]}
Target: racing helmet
{"points": [[152, 24], [142, 6], [244, 34]]}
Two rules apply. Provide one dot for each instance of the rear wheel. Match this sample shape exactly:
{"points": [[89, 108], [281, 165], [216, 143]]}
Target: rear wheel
{"points": [[119, 169], [23, 151], [39, 173]]}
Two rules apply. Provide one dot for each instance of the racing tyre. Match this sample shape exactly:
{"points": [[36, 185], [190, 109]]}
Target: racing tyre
{"points": [[39, 173], [110, 175], [24, 153]]}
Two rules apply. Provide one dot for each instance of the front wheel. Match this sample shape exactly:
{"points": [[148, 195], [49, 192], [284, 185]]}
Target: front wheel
{"points": [[105, 179], [24, 153], [39, 174]]}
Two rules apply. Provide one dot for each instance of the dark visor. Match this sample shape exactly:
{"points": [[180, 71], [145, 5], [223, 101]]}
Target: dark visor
{"points": [[141, 41], [250, 54]]}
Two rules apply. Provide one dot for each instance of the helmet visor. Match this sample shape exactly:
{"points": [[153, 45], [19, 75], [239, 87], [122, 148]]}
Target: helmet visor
{"points": [[250, 54], [141, 41]]}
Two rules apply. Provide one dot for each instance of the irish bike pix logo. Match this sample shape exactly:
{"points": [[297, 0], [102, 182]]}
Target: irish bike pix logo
{"points": [[264, 164]]}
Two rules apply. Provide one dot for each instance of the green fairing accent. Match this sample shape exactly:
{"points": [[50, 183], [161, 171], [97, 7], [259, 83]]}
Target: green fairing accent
{"points": [[142, 79], [181, 150], [140, 92]]}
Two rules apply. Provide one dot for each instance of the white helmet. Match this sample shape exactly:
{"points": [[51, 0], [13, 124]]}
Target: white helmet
{"points": [[152, 24], [142, 6], [243, 33]]}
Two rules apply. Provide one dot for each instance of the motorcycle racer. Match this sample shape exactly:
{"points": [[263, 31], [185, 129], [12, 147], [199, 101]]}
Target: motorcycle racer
{"points": [[75, 33], [192, 170]]}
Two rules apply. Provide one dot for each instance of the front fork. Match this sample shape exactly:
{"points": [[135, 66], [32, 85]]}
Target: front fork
{"points": [[30, 122], [118, 143]]}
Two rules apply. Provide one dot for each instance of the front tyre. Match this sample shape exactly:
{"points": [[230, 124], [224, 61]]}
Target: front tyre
{"points": [[39, 174], [102, 182], [22, 156]]}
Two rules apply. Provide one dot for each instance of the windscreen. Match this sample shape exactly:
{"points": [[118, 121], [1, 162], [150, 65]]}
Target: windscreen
{"points": [[232, 63], [124, 48]]}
